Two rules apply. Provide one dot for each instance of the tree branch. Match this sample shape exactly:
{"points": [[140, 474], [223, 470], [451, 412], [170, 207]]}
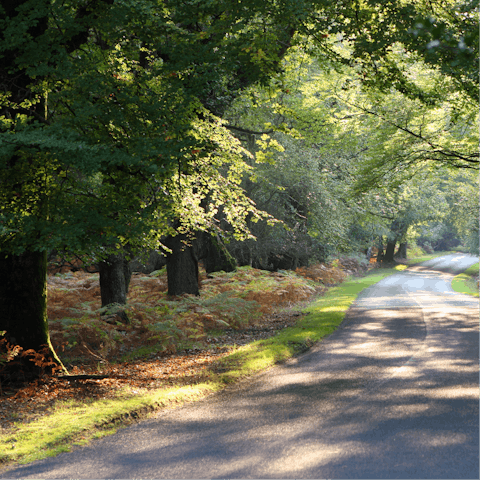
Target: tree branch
{"points": [[250, 132]]}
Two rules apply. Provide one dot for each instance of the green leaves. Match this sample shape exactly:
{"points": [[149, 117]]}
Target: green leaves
{"points": [[111, 111], [116, 107]]}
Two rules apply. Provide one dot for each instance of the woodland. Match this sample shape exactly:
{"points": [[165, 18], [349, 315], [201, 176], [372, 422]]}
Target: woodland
{"points": [[190, 140]]}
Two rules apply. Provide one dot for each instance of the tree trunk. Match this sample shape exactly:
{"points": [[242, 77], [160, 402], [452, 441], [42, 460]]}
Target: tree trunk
{"points": [[217, 257], [402, 250], [182, 266], [380, 254], [23, 301], [115, 277], [389, 252]]}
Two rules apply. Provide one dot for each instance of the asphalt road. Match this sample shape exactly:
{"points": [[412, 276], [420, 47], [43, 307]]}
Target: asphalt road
{"points": [[393, 393]]}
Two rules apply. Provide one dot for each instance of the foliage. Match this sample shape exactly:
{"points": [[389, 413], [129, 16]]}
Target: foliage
{"points": [[112, 112], [353, 165], [304, 179], [116, 103], [442, 34], [460, 221]]}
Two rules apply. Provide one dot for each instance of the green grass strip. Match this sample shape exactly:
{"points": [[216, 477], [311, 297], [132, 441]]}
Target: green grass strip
{"points": [[466, 282], [75, 423]]}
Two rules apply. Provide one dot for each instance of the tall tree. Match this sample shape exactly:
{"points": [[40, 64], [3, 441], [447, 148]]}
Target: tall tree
{"points": [[101, 105], [23, 281]]}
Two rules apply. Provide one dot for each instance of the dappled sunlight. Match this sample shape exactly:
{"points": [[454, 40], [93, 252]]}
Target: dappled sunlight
{"points": [[434, 439], [334, 309], [399, 411], [288, 464], [272, 435], [454, 391]]}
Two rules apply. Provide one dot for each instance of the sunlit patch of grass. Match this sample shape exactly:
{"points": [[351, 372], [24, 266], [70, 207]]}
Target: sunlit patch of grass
{"points": [[467, 282], [76, 423]]}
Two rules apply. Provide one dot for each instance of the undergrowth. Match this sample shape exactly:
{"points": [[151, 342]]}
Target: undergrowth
{"points": [[162, 325]]}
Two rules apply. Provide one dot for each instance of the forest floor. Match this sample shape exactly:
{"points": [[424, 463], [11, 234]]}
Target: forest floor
{"points": [[169, 341]]}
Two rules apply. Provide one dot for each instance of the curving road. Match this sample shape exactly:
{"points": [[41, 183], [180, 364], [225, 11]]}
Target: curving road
{"points": [[393, 393]]}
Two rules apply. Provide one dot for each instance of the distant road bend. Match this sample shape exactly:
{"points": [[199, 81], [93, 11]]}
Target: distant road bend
{"points": [[393, 393]]}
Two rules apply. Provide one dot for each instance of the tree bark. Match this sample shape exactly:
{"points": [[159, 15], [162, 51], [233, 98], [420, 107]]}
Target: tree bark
{"points": [[23, 278], [115, 277], [389, 252], [381, 253], [182, 266], [402, 250], [23, 301], [218, 258]]}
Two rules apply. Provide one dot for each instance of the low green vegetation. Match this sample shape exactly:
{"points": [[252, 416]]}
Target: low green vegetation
{"points": [[467, 282]]}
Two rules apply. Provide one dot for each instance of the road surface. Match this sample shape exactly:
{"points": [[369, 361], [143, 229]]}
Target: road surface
{"points": [[393, 393]]}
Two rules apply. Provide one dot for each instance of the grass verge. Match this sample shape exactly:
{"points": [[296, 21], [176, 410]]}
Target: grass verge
{"points": [[466, 282], [77, 423], [74, 424]]}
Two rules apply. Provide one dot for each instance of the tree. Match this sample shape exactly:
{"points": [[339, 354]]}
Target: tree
{"points": [[248, 46], [462, 193], [302, 168], [442, 34], [23, 288], [99, 106], [426, 52], [115, 274]]}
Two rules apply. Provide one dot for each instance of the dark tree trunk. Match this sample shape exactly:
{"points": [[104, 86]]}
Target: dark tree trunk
{"points": [[389, 252], [380, 254], [23, 301], [23, 278], [182, 266], [217, 257], [115, 277], [402, 250], [243, 253]]}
